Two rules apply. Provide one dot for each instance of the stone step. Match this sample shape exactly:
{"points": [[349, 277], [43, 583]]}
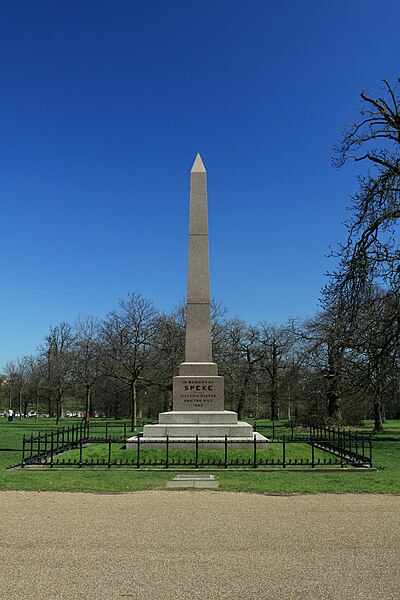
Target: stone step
{"points": [[207, 443], [175, 417], [191, 430]]}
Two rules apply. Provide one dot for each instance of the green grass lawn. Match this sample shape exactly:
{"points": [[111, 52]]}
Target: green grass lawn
{"points": [[386, 455]]}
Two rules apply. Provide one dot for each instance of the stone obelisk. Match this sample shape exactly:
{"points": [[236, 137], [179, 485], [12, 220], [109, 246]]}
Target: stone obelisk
{"points": [[198, 415], [198, 386]]}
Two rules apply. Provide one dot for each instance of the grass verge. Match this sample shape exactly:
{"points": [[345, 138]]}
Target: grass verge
{"points": [[385, 480]]}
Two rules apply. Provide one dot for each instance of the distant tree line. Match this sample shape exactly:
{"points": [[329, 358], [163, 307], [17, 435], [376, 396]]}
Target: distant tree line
{"points": [[324, 369], [341, 366]]}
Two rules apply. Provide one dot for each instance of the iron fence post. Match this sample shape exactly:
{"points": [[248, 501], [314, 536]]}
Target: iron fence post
{"points": [[138, 453], [226, 452], [23, 452], [52, 449], [255, 451], [312, 454], [370, 452], [45, 445], [31, 450], [341, 453], [167, 452], [197, 451], [38, 444], [109, 453], [80, 450], [284, 452]]}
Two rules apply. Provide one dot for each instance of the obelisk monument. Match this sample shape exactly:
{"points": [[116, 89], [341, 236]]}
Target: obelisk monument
{"points": [[198, 415], [198, 386]]}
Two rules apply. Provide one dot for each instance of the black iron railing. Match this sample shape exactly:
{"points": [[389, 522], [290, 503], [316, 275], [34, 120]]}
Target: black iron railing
{"points": [[335, 448]]}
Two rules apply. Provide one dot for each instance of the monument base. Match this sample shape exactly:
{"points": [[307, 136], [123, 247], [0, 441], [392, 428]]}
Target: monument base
{"points": [[210, 427]]}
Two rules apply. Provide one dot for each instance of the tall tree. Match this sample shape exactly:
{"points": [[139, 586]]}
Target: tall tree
{"points": [[239, 362], [168, 351], [372, 251], [328, 335], [127, 335], [376, 343], [57, 352], [275, 344], [88, 364]]}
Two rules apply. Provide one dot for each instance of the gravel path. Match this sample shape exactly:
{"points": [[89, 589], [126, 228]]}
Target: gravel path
{"points": [[198, 545]]}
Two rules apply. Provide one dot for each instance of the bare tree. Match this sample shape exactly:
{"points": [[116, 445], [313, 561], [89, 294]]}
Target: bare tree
{"points": [[239, 362], [376, 345], [275, 344], [57, 352], [168, 351], [88, 363], [127, 334], [372, 251], [36, 378]]}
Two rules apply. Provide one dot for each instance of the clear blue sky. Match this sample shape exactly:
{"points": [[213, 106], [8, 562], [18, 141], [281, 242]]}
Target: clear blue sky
{"points": [[104, 105]]}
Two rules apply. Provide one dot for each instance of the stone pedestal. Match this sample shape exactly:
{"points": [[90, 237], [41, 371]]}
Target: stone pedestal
{"points": [[210, 427]]}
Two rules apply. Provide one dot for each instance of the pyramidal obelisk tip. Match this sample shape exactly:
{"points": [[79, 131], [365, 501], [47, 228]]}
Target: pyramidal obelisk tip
{"points": [[198, 166]]}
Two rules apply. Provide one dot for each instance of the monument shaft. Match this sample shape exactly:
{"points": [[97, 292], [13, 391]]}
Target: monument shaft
{"points": [[198, 324], [198, 386]]}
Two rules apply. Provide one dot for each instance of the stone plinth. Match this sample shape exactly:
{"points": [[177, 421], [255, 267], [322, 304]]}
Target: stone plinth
{"points": [[211, 427]]}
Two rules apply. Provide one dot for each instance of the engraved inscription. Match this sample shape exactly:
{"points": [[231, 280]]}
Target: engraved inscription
{"points": [[198, 393]]}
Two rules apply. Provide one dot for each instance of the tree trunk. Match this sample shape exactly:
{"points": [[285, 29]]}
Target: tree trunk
{"points": [[274, 384], [274, 404], [378, 409], [239, 408], [88, 403], [60, 406], [117, 404], [333, 392]]}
